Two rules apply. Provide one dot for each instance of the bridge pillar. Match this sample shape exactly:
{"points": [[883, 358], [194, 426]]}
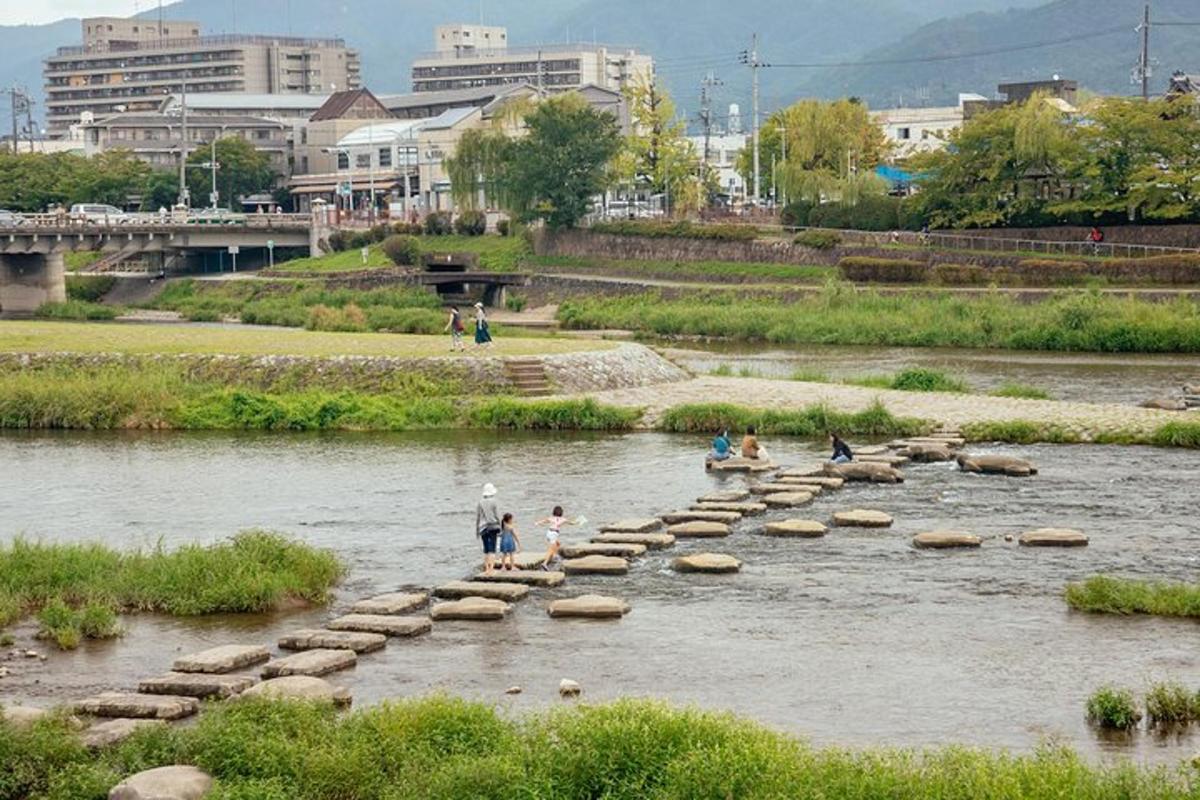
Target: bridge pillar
{"points": [[29, 280]]}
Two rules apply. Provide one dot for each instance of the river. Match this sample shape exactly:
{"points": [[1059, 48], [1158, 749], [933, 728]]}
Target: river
{"points": [[855, 639]]}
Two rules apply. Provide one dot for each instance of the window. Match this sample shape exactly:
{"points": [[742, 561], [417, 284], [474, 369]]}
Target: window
{"points": [[385, 156], [343, 161], [362, 160], [904, 134]]}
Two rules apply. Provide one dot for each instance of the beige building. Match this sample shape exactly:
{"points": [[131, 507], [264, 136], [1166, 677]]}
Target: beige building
{"points": [[128, 65], [156, 138], [473, 56]]}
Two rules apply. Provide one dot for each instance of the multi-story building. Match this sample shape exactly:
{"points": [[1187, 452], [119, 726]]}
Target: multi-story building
{"points": [[128, 65], [157, 138], [471, 56]]}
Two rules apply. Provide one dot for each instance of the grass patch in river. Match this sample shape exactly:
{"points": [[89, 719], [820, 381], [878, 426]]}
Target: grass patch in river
{"points": [[813, 421], [442, 748], [1114, 708], [1020, 391], [1105, 594], [76, 588]]}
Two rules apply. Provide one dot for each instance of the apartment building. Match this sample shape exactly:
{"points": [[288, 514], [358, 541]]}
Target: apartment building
{"points": [[157, 138], [128, 65], [473, 56]]}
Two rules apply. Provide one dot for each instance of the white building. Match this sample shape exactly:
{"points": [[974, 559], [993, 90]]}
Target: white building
{"points": [[723, 152], [921, 130]]}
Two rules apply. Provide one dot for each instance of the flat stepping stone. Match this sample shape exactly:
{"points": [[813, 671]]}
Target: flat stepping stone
{"points": [[595, 565], [218, 660], [633, 526], [816, 481], [699, 530], [197, 684], [138, 706], [526, 561], [470, 608], [22, 717], [603, 549], [859, 518], [745, 509], [997, 465], [729, 496], [804, 471], [712, 563], [457, 590], [677, 517], [386, 624], [945, 540], [788, 499], [872, 450], [589, 606], [529, 577], [300, 687], [947, 440], [796, 529], [112, 732], [651, 541], [891, 461], [315, 639], [742, 465], [164, 783], [764, 489], [395, 603], [311, 662], [1054, 537], [927, 453], [865, 472]]}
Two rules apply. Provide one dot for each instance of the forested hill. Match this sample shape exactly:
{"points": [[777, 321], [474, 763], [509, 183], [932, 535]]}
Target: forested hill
{"points": [[1102, 51]]}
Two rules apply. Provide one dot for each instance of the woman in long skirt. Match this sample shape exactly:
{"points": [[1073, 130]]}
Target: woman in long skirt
{"points": [[482, 337]]}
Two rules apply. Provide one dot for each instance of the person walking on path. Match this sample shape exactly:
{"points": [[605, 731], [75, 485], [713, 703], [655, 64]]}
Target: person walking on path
{"points": [[554, 524], [487, 525], [456, 328], [841, 450], [482, 337], [510, 543]]}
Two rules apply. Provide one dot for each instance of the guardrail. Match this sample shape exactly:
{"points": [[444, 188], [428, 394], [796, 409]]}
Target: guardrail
{"points": [[151, 221]]}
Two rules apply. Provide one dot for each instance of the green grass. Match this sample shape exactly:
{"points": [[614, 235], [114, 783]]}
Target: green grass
{"points": [[1177, 434], [1104, 594], [841, 314], [1021, 391], [1112, 707], [1172, 434], [1171, 703], [76, 261], [441, 748], [810, 422], [76, 588], [89, 288], [914, 379], [78, 310], [496, 254], [734, 271]]}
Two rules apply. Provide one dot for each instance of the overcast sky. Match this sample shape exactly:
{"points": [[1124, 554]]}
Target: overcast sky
{"points": [[17, 12]]}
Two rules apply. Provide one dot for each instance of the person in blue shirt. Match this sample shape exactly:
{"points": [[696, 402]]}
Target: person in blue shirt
{"points": [[722, 448]]}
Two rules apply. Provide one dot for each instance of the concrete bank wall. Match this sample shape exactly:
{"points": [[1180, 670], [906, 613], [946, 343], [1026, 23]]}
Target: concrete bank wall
{"points": [[625, 366]]}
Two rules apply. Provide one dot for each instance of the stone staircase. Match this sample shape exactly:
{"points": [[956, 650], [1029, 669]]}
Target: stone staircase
{"points": [[528, 377]]}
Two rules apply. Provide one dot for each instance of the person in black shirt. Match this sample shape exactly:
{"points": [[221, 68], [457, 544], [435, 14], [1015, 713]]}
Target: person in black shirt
{"points": [[841, 451]]}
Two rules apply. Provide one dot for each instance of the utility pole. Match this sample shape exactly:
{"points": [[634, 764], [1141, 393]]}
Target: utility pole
{"points": [[783, 140], [706, 117], [750, 58], [183, 143], [12, 96], [1144, 64]]}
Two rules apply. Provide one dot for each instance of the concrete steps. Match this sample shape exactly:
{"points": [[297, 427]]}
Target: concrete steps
{"points": [[528, 376]]}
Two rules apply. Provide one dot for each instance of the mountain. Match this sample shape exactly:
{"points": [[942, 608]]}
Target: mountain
{"points": [[1103, 50]]}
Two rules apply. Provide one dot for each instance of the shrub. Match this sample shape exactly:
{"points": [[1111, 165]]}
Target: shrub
{"points": [[818, 240], [407, 229], [89, 288], [1110, 707], [795, 214], [1170, 704], [377, 233], [1046, 272], [348, 319], [813, 421], [515, 303], [358, 240], [77, 310], [338, 241], [871, 213], [960, 275], [677, 230], [503, 226], [437, 223], [402, 250], [927, 380], [587, 415], [882, 270], [471, 223]]}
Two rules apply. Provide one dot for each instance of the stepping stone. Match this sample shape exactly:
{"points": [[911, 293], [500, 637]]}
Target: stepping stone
{"points": [[764, 489], [164, 783], [927, 453], [457, 590], [311, 662], [707, 562], [218, 660], [997, 465], [527, 560], [945, 540], [699, 530], [652, 541], [891, 461], [742, 465], [589, 606], [816, 482], [114, 731], [745, 509], [22, 717], [381, 623], [138, 706], [632, 526], [529, 577], [859, 518], [396, 603], [197, 684], [1054, 537], [804, 471], [730, 496], [603, 549], [947, 440], [677, 517], [795, 529], [595, 565], [872, 450], [788, 499], [313, 639], [300, 687], [865, 472], [470, 608]]}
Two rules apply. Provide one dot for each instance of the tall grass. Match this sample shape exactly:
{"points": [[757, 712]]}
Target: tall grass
{"points": [[1069, 321], [735, 271], [1021, 391], [77, 310], [915, 379], [1104, 594], [1113, 707], [812, 421], [446, 749]]}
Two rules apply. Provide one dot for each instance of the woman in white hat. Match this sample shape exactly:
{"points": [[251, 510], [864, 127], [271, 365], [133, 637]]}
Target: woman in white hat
{"points": [[482, 337], [487, 525]]}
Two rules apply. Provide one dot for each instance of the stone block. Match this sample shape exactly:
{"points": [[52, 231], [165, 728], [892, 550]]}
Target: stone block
{"points": [[138, 706], [457, 590], [728, 496], [945, 540], [652, 541], [745, 509], [788, 499], [619, 550], [589, 606], [795, 529], [632, 526], [595, 565], [395, 603], [300, 687], [859, 518], [320, 639], [470, 608], [529, 577], [197, 684], [713, 563], [164, 783], [218, 660], [112, 732], [678, 517], [1053, 537], [310, 662], [386, 624], [699, 530]]}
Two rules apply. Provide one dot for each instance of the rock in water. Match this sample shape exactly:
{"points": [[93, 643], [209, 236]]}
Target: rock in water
{"points": [[138, 706], [569, 688], [651, 541], [730, 496], [396, 603], [745, 509], [927, 453], [589, 606], [699, 530], [1166, 404], [633, 526], [314, 639], [679, 517], [742, 465], [859, 518], [788, 499], [310, 662], [944, 540], [300, 687], [713, 563], [164, 783], [816, 482], [617, 550], [795, 528], [1054, 537], [197, 684], [219, 660], [529, 577], [595, 565], [997, 465], [381, 623], [865, 472], [457, 590], [470, 608]]}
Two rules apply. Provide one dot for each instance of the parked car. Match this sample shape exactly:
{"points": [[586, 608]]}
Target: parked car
{"points": [[9, 219], [99, 213]]}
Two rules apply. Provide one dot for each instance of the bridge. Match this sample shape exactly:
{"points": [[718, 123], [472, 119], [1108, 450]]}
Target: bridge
{"points": [[32, 269]]}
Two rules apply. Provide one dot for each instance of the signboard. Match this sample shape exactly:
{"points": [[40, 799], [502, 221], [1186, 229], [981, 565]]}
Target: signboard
{"points": [[344, 189], [234, 249]]}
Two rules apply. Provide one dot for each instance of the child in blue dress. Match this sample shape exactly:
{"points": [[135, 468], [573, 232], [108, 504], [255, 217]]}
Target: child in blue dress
{"points": [[510, 542]]}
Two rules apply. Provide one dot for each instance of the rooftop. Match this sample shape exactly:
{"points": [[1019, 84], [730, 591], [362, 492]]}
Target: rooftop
{"points": [[235, 100], [507, 52], [403, 129], [192, 42], [136, 120], [451, 96]]}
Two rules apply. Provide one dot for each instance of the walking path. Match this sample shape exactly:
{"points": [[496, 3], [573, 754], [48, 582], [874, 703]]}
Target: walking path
{"points": [[949, 410]]}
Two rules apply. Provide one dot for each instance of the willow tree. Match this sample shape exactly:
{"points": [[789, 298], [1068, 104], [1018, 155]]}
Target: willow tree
{"points": [[477, 168]]}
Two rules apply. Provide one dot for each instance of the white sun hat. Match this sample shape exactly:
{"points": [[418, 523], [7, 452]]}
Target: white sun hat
{"points": [[489, 490]]}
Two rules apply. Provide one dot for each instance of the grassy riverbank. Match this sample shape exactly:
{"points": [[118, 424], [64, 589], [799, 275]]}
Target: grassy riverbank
{"points": [[810, 422], [1173, 434], [441, 748], [76, 589], [840, 314], [1102, 594], [728, 271], [496, 254]]}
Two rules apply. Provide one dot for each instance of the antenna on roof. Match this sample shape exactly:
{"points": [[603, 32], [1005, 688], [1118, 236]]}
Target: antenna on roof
{"points": [[160, 23]]}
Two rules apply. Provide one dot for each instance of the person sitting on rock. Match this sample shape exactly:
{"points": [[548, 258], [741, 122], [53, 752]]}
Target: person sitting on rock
{"points": [[751, 449], [722, 448], [841, 450]]}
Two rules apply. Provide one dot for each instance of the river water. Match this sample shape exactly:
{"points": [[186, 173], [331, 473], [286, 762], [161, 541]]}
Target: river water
{"points": [[1081, 377], [854, 639]]}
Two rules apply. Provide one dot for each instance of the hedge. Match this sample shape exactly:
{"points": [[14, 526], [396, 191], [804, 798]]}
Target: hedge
{"points": [[818, 240], [883, 270], [677, 230], [402, 250]]}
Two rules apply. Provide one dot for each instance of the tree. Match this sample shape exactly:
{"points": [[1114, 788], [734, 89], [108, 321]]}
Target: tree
{"points": [[242, 170], [160, 190], [478, 168], [658, 154], [31, 182]]}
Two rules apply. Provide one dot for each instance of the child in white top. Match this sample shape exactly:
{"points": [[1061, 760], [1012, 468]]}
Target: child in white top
{"points": [[554, 524]]}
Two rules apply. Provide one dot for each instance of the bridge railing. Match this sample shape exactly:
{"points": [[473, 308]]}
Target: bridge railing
{"points": [[139, 221]]}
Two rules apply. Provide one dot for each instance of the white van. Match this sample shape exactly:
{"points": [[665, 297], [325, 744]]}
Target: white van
{"points": [[98, 213]]}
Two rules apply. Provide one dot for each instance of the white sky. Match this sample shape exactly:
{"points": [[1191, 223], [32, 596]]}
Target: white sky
{"points": [[17, 12]]}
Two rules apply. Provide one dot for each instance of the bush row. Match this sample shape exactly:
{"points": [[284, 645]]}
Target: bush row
{"points": [[677, 230], [871, 213], [436, 223], [1182, 269], [89, 288]]}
